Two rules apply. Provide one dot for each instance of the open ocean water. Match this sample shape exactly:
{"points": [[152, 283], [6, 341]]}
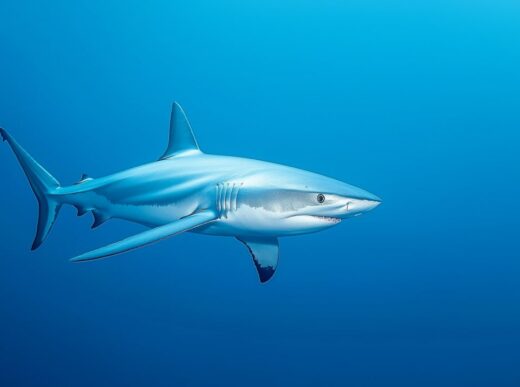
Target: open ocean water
{"points": [[417, 102]]}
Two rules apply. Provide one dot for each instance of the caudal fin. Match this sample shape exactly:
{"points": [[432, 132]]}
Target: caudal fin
{"points": [[43, 184]]}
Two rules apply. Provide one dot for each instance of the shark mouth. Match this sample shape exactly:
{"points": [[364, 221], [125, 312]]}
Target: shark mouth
{"points": [[327, 218]]}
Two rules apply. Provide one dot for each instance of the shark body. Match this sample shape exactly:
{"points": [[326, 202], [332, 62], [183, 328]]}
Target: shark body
{"points": [[187, 190]]}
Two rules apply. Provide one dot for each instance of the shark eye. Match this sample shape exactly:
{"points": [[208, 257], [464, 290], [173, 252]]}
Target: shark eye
{"points": [[320, 198]]}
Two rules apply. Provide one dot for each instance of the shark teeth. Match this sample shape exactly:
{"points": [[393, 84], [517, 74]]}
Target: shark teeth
{"points": [[328, 218]]}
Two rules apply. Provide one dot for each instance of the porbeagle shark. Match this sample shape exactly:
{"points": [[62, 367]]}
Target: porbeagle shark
{"points": [[188, 190]]}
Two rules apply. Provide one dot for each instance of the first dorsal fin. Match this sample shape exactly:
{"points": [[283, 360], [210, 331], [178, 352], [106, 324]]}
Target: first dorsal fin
{"points": [[182, 141]]}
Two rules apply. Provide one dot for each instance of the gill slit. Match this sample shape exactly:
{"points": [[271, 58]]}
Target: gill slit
{"points": [[220, 190], [217, 197], [234, 195], [227, 198]]}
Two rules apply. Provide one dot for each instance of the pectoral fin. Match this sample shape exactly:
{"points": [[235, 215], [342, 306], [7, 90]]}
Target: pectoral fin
{"points": [[149, 236], [265, 255]]}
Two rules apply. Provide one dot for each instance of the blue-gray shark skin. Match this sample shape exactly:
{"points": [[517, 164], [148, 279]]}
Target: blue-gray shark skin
{"points": [[187, 190]]}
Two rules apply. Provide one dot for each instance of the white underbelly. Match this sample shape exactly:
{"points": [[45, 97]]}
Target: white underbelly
{"points": [[250, 221]]}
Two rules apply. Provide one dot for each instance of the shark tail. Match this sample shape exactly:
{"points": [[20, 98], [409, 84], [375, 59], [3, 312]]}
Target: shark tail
{"points": [[44, 186]]}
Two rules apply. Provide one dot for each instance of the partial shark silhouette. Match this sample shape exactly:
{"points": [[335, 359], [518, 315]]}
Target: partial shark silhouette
{"points": [[188, 190]]}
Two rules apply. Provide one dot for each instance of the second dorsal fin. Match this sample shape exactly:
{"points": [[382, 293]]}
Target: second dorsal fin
{"points": [[182, 141], [84, 178]]}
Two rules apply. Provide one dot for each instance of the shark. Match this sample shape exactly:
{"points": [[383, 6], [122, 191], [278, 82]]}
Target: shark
{"points": [[187, 190]]}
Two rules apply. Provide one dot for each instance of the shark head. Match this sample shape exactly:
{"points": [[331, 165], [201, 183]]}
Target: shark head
{"points": [[291, 201]]}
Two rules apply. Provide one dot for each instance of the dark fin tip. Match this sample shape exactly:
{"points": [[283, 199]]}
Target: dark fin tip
{"points": [[265, 273], [4, 134]]}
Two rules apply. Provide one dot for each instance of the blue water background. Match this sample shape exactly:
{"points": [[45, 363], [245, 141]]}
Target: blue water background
{"points": [[417, 102]]}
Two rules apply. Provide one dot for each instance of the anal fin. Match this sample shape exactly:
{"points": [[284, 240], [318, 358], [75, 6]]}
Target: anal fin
{"points": [[81, 211], [99, 218]]}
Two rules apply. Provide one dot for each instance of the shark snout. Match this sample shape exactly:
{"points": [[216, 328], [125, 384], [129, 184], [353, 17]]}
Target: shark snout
{"points": [[359, 206], [367, 205]]}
